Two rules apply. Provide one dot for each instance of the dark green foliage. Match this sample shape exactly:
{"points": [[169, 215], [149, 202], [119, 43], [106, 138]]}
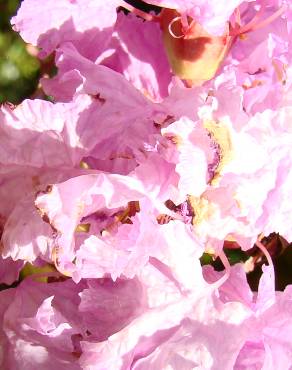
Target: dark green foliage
{"points": [[19, 71]]}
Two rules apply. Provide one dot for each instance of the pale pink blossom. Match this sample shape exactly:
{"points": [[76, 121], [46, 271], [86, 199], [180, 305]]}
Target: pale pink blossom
{"points": [[213, 15], [38, 326], [138, 53], [88, 24], [121, 184], [267, 318]]}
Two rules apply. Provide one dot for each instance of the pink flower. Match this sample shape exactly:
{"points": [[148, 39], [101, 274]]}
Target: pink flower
{"points": [[39, 330], [121, 185], [138, 53], [88, 24], [213, 15]]}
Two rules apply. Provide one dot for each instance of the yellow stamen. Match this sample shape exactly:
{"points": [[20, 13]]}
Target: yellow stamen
{"points": [[84, 165], [82, 228], [220, 133]]}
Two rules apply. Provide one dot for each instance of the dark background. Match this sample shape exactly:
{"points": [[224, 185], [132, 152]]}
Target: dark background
{"points": [[19, 71]]}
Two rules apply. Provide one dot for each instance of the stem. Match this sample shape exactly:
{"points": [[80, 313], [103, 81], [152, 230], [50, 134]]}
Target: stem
{"points": [[184, 21], [270, 19], [249, 26], [237, 16], [255, 23]]}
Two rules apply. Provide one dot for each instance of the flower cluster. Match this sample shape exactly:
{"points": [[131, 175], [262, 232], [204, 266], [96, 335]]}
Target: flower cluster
{"points": [[167, 136]]}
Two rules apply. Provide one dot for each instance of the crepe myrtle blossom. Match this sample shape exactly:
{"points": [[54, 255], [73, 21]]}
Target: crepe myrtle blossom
{"points": [[58, 322], [34, 152], [260, 63], [236, 181], [83, 325], [268, 318], [111, 232], [238, 332], [47, 330], [36, 139], [197, 37], [45, 143], [86, 23], [102, 37], [198, 34], [169, 137], [257, 64]]}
